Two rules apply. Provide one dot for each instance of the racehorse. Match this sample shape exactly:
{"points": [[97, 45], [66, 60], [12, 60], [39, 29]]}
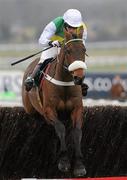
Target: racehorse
{"points": [[60, 90]]}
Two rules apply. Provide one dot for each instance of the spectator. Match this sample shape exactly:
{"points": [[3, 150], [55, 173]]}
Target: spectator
{"points": [[117, 89]]}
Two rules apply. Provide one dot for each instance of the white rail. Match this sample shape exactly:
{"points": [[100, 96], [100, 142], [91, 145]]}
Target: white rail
{"points": [[94, 45]]}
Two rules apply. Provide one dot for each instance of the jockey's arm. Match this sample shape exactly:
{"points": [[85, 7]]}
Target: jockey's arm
{"points": [[47, 33]]}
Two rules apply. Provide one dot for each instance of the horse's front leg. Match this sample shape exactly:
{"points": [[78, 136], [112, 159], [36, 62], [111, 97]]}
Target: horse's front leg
{"points": [[77, 118], [51, 116]]}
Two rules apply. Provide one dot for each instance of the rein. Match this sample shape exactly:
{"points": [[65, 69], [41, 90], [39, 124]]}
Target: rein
{"points": [[73, 40]]}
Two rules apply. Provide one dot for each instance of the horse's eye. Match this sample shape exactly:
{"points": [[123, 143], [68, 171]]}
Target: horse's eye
{"points": [[68, 51]]}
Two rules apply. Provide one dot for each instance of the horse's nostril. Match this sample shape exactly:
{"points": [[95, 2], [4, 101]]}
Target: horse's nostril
{"points": [[77, 80]]}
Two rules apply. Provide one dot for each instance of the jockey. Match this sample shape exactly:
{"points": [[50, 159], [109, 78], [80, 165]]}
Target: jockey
{"points": [[53, 35]]}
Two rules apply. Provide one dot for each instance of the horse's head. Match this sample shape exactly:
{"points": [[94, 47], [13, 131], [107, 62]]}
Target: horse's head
{"points": [[74, 55]]}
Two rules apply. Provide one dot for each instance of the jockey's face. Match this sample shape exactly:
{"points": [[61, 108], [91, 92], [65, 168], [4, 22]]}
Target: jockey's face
{"points": [[70, 29]]}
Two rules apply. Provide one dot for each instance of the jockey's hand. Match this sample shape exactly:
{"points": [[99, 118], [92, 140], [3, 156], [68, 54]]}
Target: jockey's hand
{"points": [[84, 89], [54, 43]]}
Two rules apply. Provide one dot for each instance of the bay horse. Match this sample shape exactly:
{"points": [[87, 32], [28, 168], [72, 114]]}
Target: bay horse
{"points": [[61, 91]]}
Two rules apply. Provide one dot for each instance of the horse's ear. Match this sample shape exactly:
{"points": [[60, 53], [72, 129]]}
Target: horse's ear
{"points": [[67, 35], [80, 33]]}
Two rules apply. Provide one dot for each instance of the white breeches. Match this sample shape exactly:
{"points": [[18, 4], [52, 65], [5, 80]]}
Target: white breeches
{"points": [[50, 53]]}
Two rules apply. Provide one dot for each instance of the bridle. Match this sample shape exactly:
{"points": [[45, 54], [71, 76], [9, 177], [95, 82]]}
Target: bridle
{"points": [[57, 82], [65, 49]]}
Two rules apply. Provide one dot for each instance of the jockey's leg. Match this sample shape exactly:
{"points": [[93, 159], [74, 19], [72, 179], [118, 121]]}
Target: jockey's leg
{"points": [[46, 57], [30, 81]]}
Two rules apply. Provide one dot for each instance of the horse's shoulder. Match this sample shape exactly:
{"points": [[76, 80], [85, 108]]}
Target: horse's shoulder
{"points": [[33, 63], [31, 66]]}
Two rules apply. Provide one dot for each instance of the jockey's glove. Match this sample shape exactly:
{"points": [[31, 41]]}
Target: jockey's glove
{"points": [[54, 43]]}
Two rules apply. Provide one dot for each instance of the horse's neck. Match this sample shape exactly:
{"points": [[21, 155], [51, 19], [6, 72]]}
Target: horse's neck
{"points": [[57, 69], [61, 73]]}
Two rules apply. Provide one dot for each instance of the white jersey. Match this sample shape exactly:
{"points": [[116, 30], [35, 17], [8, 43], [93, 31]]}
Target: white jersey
{"points": [[54, 31]]}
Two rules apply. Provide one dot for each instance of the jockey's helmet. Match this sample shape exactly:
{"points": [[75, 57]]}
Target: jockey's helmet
{"points": [[73, 17]]}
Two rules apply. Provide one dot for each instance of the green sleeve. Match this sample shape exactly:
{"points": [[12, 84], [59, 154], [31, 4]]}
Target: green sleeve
{"points": [[58, 23]]}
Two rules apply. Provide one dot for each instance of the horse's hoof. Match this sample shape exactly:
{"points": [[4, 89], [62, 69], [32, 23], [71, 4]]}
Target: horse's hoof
{"points": [[64, 164], [79, 170]]}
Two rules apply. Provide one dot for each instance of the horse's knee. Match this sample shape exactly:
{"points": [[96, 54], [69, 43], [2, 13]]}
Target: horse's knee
{"points": [[77, 133], [50, 114], [77, 118], [60, 128]]}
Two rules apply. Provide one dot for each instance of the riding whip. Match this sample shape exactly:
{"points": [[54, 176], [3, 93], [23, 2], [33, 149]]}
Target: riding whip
{"points": [[21, 60]]}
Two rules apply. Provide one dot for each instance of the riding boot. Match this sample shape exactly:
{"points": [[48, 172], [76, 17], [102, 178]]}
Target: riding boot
{"points": [[30, 81]]}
